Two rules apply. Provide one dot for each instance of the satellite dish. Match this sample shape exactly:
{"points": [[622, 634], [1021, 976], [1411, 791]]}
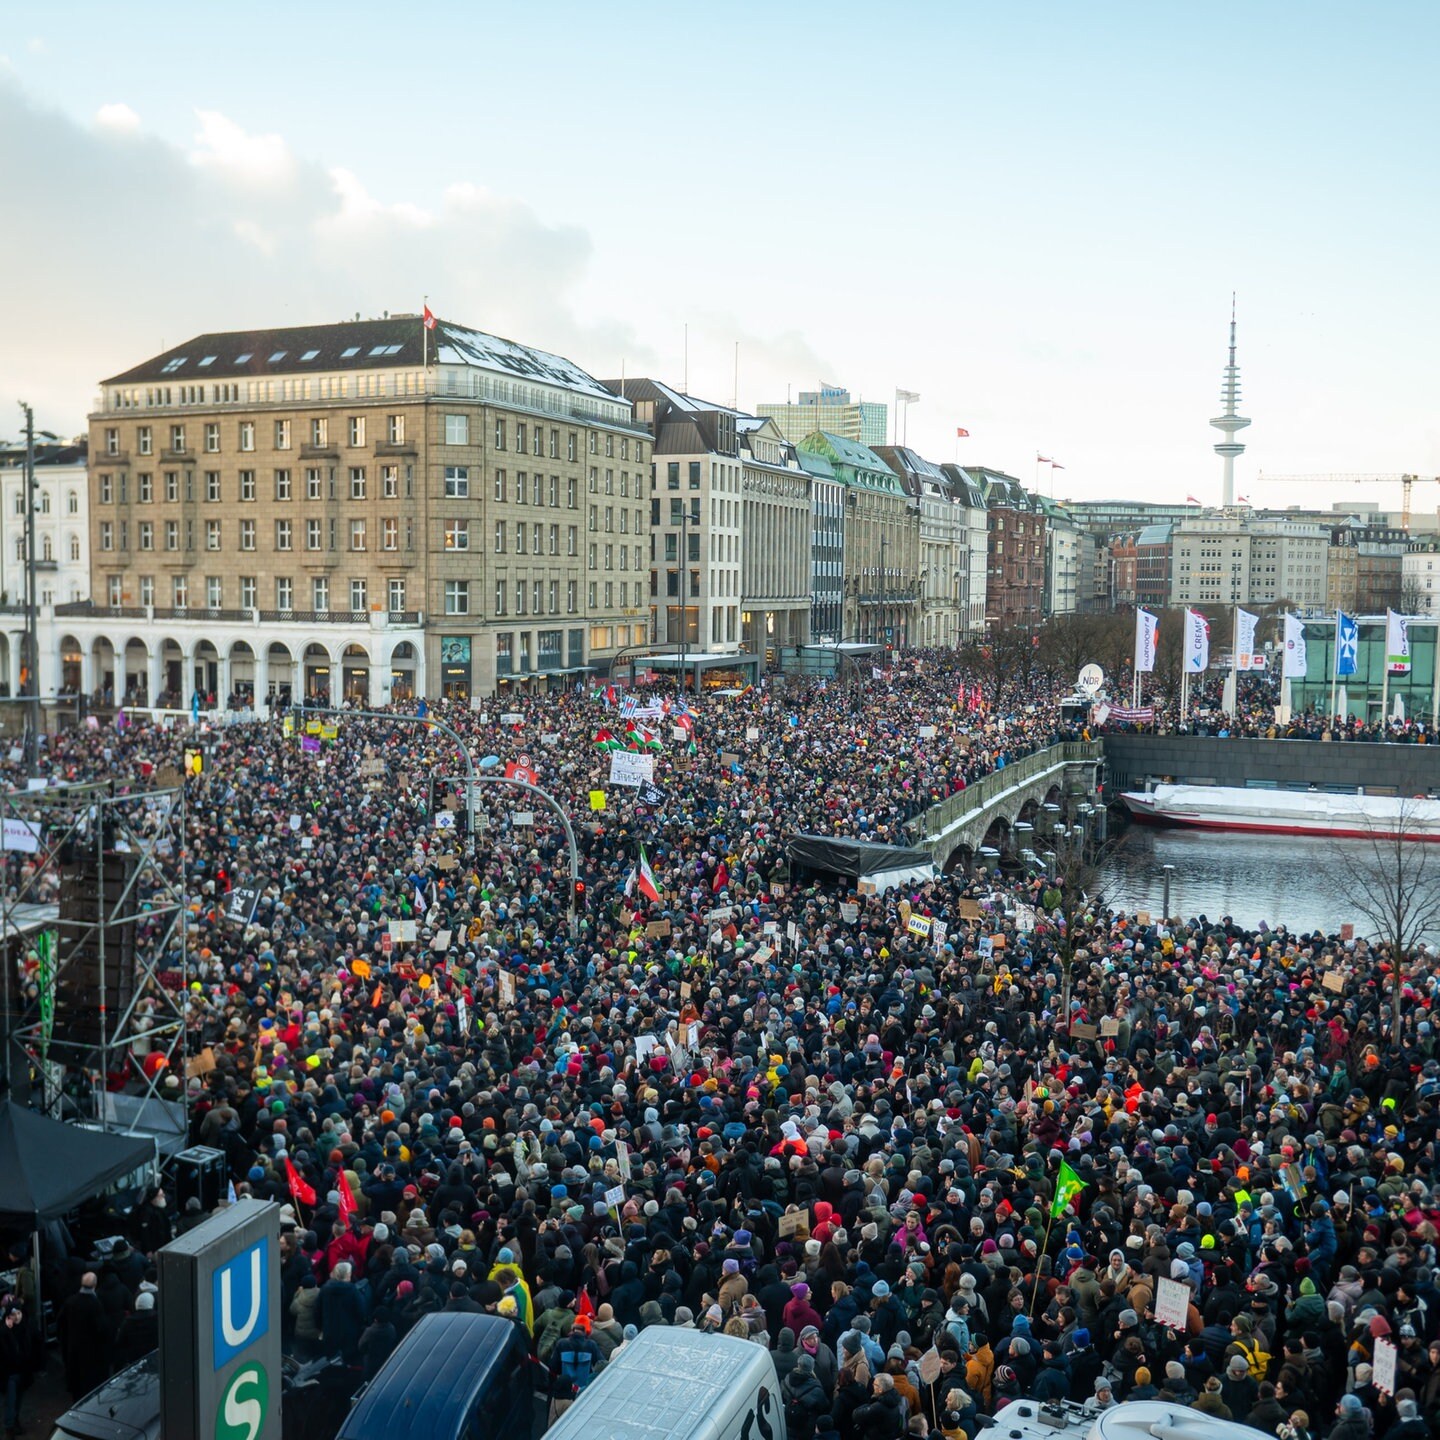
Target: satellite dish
{"points": [[1092, 677]]}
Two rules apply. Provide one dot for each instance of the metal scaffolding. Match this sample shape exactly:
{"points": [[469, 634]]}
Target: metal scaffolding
{"points": [[140, 836]]}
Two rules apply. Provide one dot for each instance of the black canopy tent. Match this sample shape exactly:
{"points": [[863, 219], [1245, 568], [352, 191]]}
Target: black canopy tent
{"points": [[48, 1168], [858, 859]]}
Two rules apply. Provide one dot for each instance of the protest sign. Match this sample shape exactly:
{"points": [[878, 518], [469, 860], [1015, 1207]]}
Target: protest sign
{"points": [[1172, 1303], [629, 768]]}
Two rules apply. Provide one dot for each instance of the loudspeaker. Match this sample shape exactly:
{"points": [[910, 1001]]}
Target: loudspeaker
{"points": [[92, 898], [200, 1172]]}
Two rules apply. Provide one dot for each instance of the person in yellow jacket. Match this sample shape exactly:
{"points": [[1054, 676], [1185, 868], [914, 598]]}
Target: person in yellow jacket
{"points": [[505, 1272]]}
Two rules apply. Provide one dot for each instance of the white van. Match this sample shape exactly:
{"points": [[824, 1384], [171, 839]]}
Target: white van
{"points": [[1135, 1420], [679, 1385]]}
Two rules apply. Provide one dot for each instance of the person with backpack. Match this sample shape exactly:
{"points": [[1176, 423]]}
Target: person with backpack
{"points": [[574, 1363], [803, 1398]]}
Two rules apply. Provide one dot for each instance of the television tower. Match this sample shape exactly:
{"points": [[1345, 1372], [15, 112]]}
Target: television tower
{"points": [[1230, 422]]}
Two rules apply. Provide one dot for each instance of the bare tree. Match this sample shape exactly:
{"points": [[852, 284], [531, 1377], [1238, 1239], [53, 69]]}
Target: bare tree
{"points": [[1414, 598], [1395, 884]]}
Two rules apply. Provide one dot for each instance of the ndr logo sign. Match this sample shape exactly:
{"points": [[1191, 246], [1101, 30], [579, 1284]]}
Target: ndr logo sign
{"points": [[241, 1311]]}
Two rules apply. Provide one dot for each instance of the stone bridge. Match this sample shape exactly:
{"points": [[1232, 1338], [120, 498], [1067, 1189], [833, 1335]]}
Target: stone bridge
{"points": [[986, 812]]}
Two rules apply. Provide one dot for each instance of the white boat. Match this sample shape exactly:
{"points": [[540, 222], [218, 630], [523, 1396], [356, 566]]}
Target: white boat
{"points": [[1287, 812]]}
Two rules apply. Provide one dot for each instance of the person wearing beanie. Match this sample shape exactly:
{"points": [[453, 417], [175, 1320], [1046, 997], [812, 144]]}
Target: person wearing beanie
{"points": [[575, 1361], [1210, 1401], [803, 1399], [1176, 1386], [1142, 1389], [1408, 1424], [1351, 1423], [1239, 1390], [799, 1312]]}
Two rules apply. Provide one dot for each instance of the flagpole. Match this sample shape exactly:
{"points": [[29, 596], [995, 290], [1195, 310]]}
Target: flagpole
{"points": [[1044, 1250], [1384, 671], [424, 336], [1334, 667]]}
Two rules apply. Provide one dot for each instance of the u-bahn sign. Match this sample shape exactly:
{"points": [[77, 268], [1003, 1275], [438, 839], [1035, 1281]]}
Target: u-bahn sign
{"points": [[220, 1328]]}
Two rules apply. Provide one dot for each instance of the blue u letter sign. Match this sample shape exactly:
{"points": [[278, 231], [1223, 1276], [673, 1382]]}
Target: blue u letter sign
{"points": [[242, 1303]]}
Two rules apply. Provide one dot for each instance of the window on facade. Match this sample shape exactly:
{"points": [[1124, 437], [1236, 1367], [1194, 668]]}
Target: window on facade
{"points": [[395, 430], [457, 429], [172, 534], [357, 534], [396, 592], [214, 592], [357, 431], [359, 595], [320, 594], [247, 434], [312, 535], [390, 533], [180, 591], [283, 535], [284, 593], [144, 440], [457, 534], [357, 482], [312, 483], [390, 482], [177, 438], [248, 592], [457, 481], [212, 534], [319, 433], [457, 597]]}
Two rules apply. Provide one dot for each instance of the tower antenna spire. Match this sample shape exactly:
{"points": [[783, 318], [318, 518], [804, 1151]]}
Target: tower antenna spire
{"points": [[1230, 421]]}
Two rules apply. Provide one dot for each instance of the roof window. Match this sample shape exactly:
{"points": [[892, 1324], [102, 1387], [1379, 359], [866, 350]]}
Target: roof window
{"points": [[309, 354], [172, 365], [278, 355]]}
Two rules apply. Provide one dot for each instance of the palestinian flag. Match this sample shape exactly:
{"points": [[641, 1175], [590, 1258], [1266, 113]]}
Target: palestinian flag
{"points": [[646, 881], [606, 740], [637, 737]]}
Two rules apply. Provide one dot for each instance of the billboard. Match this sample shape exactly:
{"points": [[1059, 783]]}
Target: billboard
{"points": [[220, 1327]]}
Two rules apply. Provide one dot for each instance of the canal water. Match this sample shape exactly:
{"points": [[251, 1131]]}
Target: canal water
{"points": [[1288, 880]]}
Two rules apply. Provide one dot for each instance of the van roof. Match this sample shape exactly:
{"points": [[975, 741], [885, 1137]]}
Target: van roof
{"points": [[437, 1372], [667, 1384]]}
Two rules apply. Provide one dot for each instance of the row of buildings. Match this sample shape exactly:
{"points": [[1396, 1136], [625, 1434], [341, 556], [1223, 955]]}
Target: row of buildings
{"points": [[382, 509], [1361, 560]]}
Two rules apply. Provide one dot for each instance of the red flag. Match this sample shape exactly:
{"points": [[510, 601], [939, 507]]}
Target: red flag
{"points": [[429, 319], [346, 1205], [584, 1305], [961, 434], [1191, 500], [300, 1192], [721, 880], [1056, 465], [375, 999], [1043, 459]]}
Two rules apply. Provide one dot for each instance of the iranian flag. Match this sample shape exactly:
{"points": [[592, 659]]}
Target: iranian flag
{"points": [[646, 881]]}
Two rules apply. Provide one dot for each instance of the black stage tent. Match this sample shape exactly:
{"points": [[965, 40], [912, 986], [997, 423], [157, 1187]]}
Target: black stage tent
{"points": [[837, 855], [47, 1168]]}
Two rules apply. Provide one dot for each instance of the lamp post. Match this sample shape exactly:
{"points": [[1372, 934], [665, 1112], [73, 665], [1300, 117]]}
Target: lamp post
{"points": [[32, 626], [1169, 870]]}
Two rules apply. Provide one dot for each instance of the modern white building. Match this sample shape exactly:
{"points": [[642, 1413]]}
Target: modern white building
{"points": [[1228, 557], [1062, 561], [1420, 578], [775, 541]]}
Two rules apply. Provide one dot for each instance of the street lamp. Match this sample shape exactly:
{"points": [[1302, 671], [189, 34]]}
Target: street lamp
{"points": [[32, 626], [1169, 870]]}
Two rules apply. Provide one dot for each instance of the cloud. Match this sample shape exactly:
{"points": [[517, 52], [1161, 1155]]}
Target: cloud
{"points": [[223, 147], [241, 231], [117, 118]]}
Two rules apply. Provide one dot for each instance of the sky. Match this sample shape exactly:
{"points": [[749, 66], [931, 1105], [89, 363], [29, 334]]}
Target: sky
{"points": [[1033, 215]]}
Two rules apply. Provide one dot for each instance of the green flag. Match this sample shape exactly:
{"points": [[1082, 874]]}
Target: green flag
{"points": [[1067, 1186]]}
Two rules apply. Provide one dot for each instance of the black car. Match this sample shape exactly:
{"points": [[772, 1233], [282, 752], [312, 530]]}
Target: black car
{"points": [[315, 1398]]}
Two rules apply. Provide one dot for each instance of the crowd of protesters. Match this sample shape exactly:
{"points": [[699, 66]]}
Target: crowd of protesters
{"points": [[838, 1118]]}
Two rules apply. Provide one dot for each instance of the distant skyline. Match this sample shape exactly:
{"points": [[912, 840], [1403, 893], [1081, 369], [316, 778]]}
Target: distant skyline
{"points": [[1032, 216]]}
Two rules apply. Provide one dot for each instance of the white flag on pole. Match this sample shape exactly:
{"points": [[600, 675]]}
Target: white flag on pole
{"points": [[1294, 664], [1146, 627], [1397, 643], [1197, 643], [1245, 624]]}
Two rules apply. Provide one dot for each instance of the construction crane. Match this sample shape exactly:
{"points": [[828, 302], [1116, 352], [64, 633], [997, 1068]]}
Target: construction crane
{"points": [[1406, 482]]}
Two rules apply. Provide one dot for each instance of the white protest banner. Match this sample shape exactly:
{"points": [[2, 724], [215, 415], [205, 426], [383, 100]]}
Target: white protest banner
{"points": [[444, 819], [523, 819], [462, 1014], [792, 932], [680, 733], [622, 1159], [628, 768], [512, 717], [403, 929], [1172, 1303], [918, 925], [615, 1197], [771, 927], [927, 732], [505, 987], [752, 734], [21, 835], [644, 1044], [938, 931], [1385, 1358], [849, 911]]}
